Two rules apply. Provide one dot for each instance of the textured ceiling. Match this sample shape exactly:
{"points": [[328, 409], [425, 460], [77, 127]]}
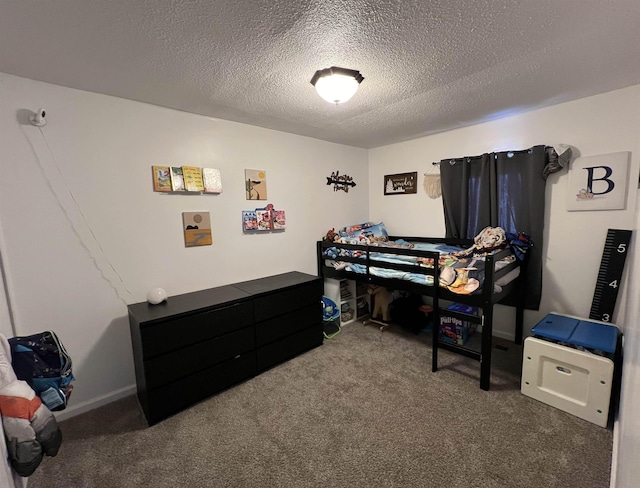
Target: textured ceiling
{"points": [[429, 66]]}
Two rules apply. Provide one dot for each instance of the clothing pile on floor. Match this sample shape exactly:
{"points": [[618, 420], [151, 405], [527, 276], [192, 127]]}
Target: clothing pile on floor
{"points": [[30, 429]]}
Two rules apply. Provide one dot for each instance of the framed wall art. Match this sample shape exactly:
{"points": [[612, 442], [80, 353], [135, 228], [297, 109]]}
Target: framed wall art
{"points": [[197, 229], [401, 184], [255, 181], [599, 182]]}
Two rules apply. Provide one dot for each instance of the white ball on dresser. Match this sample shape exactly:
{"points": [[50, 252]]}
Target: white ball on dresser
{"points": [[157, 295]]}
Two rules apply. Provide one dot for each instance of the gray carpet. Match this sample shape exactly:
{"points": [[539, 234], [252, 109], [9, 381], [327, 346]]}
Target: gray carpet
{"points": [[363, 410]]}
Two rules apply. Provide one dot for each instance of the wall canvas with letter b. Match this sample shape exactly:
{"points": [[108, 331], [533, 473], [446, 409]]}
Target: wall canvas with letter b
{"points": [[599, 182]]}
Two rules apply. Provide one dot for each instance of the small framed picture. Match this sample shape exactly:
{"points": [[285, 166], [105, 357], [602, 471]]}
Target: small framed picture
{"points": [[401, 183], [255, 181], [197, 229]]}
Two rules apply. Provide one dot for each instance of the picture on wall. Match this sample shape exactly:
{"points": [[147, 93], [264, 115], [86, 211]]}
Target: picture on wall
{"points": [[401, 184], [255, 184], [197, 229], [598, 182]]}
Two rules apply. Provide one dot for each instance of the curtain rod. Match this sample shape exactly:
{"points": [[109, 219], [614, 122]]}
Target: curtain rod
{"points": [[437, 163]]}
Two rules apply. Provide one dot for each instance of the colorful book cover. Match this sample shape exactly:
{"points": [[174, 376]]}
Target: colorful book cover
{"points": [[212, 180], [192, 178], [161, 178], [177, 180], [279, 221], [249, 220], [264, 219]]}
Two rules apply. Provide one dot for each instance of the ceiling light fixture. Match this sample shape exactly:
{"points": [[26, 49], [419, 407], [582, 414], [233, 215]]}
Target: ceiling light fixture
{"points": [[336, 85]]}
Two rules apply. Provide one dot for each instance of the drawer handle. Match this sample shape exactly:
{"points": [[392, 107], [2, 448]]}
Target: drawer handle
{"points": [[563, 370]]}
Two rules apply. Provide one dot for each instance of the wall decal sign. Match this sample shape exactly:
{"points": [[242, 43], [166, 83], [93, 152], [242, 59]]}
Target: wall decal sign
{"points": [[599, 182], [340, 182], [401, 184]]}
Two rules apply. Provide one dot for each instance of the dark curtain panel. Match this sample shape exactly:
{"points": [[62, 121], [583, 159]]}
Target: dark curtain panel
{"points": [[505, 190], [466, 183]]}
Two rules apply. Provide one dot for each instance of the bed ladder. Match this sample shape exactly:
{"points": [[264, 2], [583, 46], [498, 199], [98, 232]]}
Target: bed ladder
{"points": [[484, 356], [485, 319]]}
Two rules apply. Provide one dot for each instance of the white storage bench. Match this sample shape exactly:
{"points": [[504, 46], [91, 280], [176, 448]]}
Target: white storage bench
{"points": [[569, 364]]}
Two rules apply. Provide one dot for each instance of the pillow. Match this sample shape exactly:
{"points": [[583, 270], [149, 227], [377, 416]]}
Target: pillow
{"points": [[365, 232]]}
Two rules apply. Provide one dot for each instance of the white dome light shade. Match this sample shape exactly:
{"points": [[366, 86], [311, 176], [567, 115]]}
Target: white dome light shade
{"points": [[336, 85]]}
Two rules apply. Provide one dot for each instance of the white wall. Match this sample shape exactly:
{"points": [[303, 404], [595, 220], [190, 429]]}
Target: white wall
{"points": [[626, 448], [574, 240], [78, 215]]}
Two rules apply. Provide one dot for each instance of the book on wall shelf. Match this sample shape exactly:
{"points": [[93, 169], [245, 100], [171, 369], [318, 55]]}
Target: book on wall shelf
{"points": [[177, 179], [192, 178], [261, 219], [212, 180], [249, 220], [161, 178], [279, 220], [265, 218]]}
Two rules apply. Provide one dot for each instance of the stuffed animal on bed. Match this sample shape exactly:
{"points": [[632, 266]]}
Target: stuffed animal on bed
{"points": [[381, 301], [488, 239], [331, 235]]}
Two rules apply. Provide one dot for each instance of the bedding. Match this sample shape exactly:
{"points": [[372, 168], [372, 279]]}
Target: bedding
{"points": [[460, 274]]}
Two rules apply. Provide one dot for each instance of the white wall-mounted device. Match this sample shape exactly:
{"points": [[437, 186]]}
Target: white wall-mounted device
{"points": [[38, 118]]}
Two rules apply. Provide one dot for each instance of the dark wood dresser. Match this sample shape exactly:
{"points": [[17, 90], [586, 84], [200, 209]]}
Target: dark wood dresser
{"points": [[194, 345]]}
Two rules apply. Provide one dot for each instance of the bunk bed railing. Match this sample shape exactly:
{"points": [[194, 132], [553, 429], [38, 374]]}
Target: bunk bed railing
{"points": [[364, 258]]}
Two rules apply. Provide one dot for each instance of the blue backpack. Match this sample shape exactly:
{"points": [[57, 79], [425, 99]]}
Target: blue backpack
{"points": [[42, 361]]}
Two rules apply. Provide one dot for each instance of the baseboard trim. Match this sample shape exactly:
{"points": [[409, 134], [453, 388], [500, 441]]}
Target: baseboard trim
{"points": [[510, 336], [614, 453], [504, 335], [82, 407]]}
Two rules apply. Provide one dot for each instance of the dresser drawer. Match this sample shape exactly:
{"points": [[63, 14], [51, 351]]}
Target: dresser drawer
{"points": [[281, 302], [183, 362], [289, 346], [172, 398], [163, 337], [289, 323]]}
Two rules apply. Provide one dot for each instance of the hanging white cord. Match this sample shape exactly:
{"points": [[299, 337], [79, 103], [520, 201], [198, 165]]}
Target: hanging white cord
{"points": [[79, 222], [431, 183]]}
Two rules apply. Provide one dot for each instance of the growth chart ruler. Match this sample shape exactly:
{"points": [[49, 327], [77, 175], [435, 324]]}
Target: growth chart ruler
{"points": [[616, 247]]}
